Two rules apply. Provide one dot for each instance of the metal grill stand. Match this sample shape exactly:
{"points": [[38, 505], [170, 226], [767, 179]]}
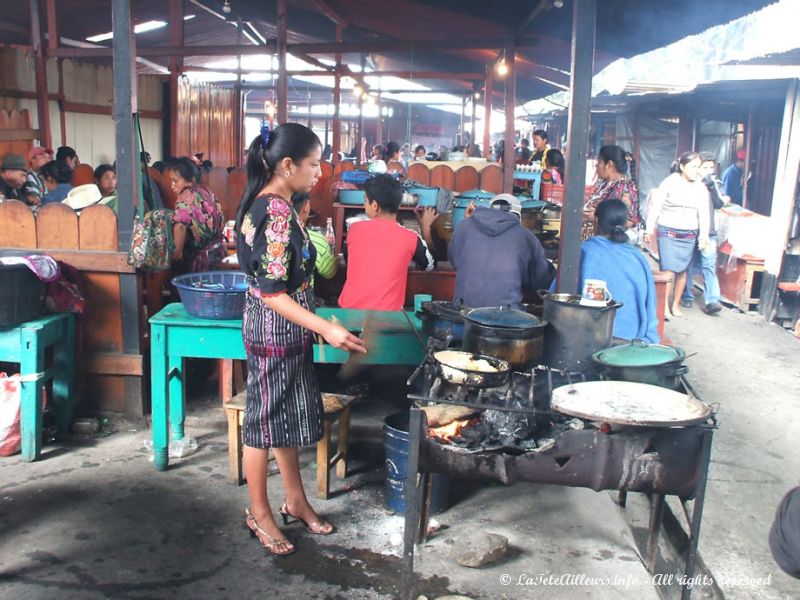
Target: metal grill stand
{"points": [[653, 461]]}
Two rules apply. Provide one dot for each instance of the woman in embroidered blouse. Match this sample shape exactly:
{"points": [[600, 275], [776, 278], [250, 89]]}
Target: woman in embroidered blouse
{"points": [[284, 408], [613, 182], [197, 222]]}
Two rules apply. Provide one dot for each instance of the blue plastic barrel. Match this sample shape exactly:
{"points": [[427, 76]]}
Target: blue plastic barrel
{"points": [[395, 441]]}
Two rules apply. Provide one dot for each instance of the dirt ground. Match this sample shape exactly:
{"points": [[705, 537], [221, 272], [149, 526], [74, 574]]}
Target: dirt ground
{"points": [[93, 519]]}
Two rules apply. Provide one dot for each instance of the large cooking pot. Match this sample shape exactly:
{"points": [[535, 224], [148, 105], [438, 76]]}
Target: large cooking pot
{"points": [[513, 335], [441, 318], [574, 332], [641, 362]]}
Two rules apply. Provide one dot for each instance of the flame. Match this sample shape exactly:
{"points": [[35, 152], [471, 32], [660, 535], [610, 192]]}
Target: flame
{"points": [[445, 433]]}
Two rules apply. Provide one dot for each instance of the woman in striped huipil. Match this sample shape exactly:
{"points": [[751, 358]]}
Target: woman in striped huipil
{"points": [[284, 407]]}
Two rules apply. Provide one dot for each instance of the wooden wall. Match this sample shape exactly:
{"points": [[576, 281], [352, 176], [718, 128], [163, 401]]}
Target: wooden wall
{"points": [[205, 123], [88, 242], [88, 95]]}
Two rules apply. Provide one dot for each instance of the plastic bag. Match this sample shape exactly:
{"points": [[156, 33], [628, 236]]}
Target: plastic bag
{"points": [[10, 440], [177, 448]]}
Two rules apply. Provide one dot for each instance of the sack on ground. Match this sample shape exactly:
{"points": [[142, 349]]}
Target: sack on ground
{"points": [[151, 241], [9, 414]]}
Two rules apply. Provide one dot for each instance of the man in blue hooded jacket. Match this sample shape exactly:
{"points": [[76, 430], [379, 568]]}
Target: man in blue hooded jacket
{"points": [[495, 258]]}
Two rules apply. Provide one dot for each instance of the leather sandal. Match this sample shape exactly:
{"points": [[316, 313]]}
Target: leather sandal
{"points": [[278, 547], [315, 527]]}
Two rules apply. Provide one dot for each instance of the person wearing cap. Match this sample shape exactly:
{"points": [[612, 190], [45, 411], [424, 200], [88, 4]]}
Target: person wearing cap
{"points": [[732, 183], [14, 174], [57, 177], [37, 158], [380, 249], [496, 259]]}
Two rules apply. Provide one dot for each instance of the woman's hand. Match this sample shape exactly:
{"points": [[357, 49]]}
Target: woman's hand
{"points": [[702, 243], [425, 217], [338, 337], [470, 209], [648, 237]]}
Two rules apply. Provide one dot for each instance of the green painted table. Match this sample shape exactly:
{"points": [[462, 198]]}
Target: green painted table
{"points": [[175, 335], [26, 344]]}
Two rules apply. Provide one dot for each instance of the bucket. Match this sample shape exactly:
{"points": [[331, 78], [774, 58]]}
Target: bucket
{"points": [[574, 332], [395, 442]]}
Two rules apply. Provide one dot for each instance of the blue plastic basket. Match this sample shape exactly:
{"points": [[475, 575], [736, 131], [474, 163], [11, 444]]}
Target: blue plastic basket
{"points": [[357, 177], [213, 294]]}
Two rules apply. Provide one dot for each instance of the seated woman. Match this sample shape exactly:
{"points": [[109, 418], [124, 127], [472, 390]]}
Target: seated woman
{"points": [[610, 257], [107, 182], [419, 152], [57, 177], [612, 182], [197, 223], [325, 264]]}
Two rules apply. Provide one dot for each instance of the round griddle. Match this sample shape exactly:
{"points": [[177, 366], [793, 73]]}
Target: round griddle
{"points": [[627, 403]]}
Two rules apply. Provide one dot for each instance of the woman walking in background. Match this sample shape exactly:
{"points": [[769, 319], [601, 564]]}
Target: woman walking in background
{"points": [[680, 212], [284, 408]]}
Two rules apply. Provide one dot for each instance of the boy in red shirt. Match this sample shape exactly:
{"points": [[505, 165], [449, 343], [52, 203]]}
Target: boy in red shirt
{"points": [[379, 250]]}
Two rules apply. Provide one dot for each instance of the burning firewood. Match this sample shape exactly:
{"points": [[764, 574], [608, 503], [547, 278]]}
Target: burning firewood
{"points": [[444, 414]]}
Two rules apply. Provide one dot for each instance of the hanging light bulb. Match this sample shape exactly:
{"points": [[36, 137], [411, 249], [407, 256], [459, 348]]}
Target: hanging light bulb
{"points": [[477, 95], [357, 91], [226, 7], [502, 68]]}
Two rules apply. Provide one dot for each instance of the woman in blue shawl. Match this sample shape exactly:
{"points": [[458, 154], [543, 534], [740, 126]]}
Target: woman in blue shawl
{"points": [[610, 257]]}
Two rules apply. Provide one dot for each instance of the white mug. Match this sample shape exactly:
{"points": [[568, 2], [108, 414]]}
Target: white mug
{"points": [[595, 293]]}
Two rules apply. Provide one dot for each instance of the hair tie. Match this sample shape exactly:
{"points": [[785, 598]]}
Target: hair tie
{"points": [[265, 135], [619, 228]]}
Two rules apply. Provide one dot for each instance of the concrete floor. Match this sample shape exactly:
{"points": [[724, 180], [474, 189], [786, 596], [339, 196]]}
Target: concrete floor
{"points": [[93, 519]]}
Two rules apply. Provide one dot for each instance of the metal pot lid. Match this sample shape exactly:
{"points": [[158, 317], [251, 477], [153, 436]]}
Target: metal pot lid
{"points": [[627, 403], [444, 309], [638, 354], [503, 317]]}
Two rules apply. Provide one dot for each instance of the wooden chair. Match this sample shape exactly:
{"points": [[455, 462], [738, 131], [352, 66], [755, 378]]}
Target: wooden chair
{"points": [[237, 181], [395, 166], [57, 227], [234, 411], [344, 165], [466, 178], [419, 172], [491, 179], [83, 174], [442, 176], [18, 228]]}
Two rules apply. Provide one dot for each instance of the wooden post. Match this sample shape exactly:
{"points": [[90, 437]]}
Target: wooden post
{"points": [[783, 197], [748, 142], [40, 71], [472, 124], [378, 126], [463, 116], [238, 113], [175, 66], [52, 43], [487, 114], [685, 134], [360, 124], [584, 15], [511, 101], [283, 86], [128, 167], [337, 98]]}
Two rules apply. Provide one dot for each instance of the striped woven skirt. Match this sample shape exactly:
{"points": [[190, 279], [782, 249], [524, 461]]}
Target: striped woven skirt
{"points": [[284, 406]]}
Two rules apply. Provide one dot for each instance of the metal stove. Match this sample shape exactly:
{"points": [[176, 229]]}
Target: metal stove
{"points": [[653, 461]]}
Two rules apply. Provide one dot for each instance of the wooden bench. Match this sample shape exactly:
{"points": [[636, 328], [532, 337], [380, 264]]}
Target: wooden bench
{"points": [[325, 459]]}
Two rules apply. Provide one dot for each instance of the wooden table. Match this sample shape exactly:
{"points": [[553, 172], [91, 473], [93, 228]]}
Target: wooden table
{"points": [[741, 284], [26, 344], [176, 335]]}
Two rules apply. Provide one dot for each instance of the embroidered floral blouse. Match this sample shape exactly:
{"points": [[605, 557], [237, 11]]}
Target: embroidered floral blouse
{"points": [[621, 189], [274, 250], [197, 208]]}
